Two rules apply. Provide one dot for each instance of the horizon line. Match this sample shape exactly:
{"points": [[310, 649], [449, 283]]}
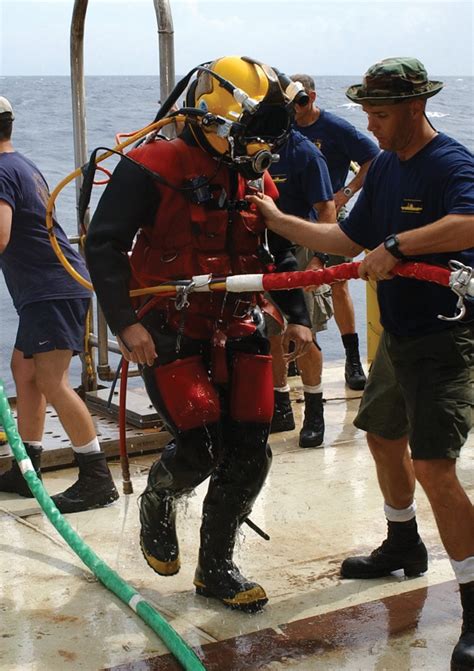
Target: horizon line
{"points": [[178, 76]]}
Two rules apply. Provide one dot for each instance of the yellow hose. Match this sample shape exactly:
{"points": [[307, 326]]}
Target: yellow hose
{"points": [[52, 199]]}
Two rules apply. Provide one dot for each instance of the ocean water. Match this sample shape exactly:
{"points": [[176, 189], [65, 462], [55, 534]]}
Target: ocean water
{"points": [[43, 131]]}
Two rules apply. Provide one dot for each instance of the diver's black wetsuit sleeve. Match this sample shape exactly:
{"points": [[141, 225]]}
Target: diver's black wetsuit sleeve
{"points": [[290, 302], [128, 203]]}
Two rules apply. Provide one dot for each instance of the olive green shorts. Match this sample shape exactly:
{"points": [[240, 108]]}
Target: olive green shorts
{"points": [[422, 387]]}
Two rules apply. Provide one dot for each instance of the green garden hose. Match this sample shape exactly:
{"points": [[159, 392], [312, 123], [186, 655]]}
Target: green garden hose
{"points": [[175, 644]]}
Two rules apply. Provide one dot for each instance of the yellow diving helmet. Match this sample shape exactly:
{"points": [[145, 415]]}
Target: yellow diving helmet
{"points": [[247, 112]]}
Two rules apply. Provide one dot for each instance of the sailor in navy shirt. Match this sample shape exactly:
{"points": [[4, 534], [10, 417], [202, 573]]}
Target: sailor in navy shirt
{"points": [[417, 203], [302, 178], [52, 309], [341, 144]]}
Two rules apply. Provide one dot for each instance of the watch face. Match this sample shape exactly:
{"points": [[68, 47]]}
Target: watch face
{"points": [[391, 245], [348, 191]]}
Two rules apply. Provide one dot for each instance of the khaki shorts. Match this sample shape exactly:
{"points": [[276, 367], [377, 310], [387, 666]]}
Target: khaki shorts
{"points": [[333, 259], [422, 387], [319, 300]]}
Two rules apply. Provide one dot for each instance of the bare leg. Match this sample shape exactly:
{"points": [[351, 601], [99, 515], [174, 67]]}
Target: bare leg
{"points": [[343, 308], [395, 471], [52, 379], [311, 366], [31, 403], [453, 511]]}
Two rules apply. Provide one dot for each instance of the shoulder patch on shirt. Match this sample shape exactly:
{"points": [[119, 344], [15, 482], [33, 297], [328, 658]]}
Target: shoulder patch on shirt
{"points": [[412, 206]]}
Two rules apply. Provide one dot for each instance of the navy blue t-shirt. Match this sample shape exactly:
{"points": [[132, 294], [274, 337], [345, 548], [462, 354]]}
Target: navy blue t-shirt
{"points": [[31, 269], [301, 176], [400, 196], [340, 143]]}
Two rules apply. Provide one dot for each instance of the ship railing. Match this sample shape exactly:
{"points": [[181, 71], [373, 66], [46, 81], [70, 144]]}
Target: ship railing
{"points": [[99, 336]]}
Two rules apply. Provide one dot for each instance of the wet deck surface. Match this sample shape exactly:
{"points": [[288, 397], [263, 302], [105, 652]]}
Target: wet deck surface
{"points": [[317, 505]]}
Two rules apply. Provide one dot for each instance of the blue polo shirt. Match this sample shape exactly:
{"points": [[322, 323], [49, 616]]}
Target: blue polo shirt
{"points": [[340, 143], [31, 269], [399, 196], [301, 176]]}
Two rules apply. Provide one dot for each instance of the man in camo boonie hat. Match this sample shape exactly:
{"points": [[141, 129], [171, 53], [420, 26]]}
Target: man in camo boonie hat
{"points": [[394, 80]]}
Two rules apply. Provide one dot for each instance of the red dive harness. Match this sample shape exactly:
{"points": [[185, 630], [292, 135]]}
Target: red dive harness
{"points": [[459, 278]]}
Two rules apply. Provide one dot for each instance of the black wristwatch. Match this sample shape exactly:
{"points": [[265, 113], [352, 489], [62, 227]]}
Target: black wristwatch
{"points": [[391, 244], [322, 256]]}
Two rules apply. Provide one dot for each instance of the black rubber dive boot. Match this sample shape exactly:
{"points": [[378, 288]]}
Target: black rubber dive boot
{"points": [[354, 373], [13, 481], [221, 579], [283, 419], [402, 549], [94, 487], [463, 654], [158, 539], [312, 431], [233, 488], [216, 574]]}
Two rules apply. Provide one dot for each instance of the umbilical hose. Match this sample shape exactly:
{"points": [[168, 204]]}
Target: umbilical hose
{"points": [[108, 577]]}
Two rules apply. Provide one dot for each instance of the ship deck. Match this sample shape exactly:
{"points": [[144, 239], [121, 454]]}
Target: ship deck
{"points": [[318, 506]]}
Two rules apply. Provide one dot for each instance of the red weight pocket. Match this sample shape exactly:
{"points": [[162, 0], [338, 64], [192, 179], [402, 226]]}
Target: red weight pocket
{"points": [[252, 388], [187, 392]]}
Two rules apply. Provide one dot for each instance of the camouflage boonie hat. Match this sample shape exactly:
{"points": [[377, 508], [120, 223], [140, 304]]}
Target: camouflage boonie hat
{"points": [[394, 80]]}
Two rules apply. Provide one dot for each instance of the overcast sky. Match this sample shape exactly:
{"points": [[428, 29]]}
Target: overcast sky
{"points": [[329, 37]]}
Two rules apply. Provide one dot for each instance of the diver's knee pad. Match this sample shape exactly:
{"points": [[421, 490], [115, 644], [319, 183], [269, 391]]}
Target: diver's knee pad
{"points": [[183, 394]]}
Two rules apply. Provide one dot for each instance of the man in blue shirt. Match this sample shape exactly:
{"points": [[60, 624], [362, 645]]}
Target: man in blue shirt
{"points": [[341, 144], [417, 203], [302, 178], [52, 309]]}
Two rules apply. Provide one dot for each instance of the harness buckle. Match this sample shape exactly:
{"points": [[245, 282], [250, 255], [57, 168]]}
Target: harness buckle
{"points": [[182, 293], [460, 283]]}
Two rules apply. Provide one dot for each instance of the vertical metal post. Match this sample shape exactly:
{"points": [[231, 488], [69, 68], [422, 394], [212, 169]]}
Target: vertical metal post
{"points": [[166, 47], [167, 80], [78, 96]]}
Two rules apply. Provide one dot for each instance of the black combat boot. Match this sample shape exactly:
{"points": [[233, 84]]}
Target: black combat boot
{"points": [[293, 369], [283, 419], [402, 549], [216, 574], [158, 539], [463, 653], [312, 431], [354, 373], [94, 487], [13, 481]]}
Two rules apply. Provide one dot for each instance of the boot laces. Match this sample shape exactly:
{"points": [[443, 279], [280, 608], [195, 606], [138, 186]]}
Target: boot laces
{"points": [[383, 549], [76, 489]]}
